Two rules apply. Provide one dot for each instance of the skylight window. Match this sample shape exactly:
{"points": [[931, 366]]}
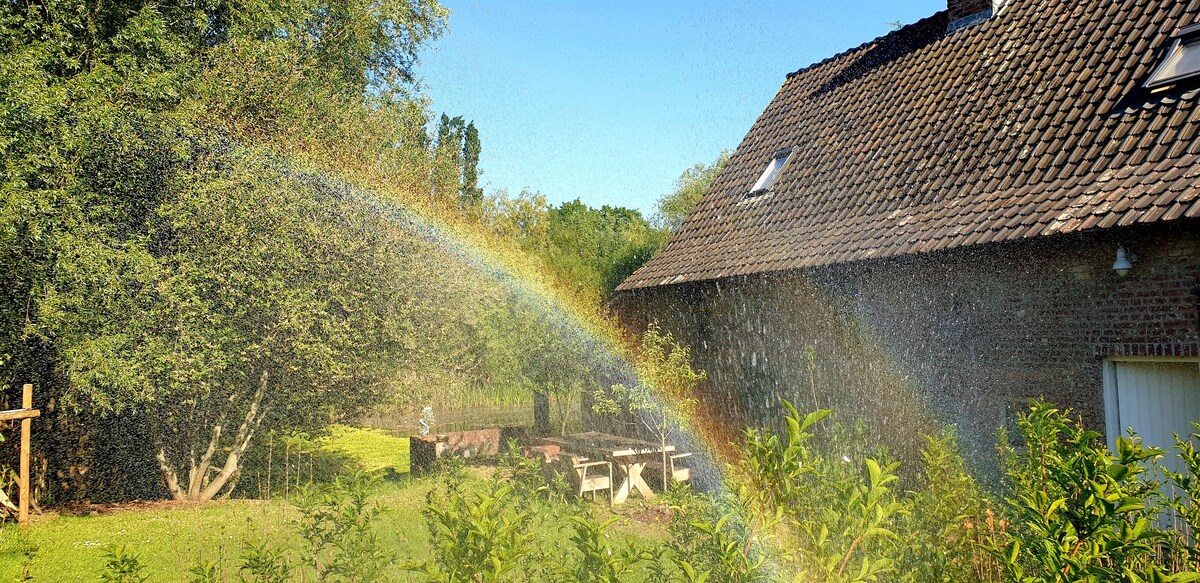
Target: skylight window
{"points": [[771, 173], [1182, 60]]}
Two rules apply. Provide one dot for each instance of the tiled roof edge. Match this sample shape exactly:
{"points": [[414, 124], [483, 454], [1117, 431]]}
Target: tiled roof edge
{"points": [[865, 45]]}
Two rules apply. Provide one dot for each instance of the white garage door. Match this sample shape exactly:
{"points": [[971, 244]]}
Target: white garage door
{"points": [[1157, 400]]}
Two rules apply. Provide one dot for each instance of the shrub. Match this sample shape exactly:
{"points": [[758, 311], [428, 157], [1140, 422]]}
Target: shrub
{"points": [[718, 538], [476, 537], [335, 524], [122, 566], [530, 477], [597, 561], [264, 564], [1186, 515], [950, 512], [205, 572], [1080, 512], [841, 513]]}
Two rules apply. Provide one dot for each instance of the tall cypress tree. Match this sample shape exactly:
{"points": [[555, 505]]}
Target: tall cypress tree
{"points": [[471, 196], [447, 178]]}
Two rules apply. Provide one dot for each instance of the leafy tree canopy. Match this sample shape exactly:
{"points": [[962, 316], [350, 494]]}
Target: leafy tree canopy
{"points": [[689, 189]]}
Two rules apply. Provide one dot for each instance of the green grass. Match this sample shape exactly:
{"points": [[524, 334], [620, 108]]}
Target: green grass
{"points": [[372, 449], [170, 538]]}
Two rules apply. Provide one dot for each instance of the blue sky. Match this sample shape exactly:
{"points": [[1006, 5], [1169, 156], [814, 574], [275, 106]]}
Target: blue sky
{"points": [[610, 101]]}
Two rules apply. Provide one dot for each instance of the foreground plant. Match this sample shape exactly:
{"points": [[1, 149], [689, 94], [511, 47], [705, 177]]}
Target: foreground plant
{"points": [[1182, 503], [598, 561], [1080, 512], [843, 513], [123, 566], [336, 524], [717, 537], [950, 518], [476, 536]]}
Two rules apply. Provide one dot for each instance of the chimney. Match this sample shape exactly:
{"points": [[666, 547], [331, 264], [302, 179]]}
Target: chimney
{"points": [[963, 13]]}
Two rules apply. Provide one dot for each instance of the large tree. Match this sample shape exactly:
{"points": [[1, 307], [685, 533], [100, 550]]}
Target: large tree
{"points": [[149, 255], [472, 195], [256, 301]]}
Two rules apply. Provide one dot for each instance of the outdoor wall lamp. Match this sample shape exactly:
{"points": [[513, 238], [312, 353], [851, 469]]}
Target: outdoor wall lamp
{"points": [[1124, 261]]}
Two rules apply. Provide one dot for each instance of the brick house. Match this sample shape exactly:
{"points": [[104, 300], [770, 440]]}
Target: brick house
{"points": [[994, 203]]}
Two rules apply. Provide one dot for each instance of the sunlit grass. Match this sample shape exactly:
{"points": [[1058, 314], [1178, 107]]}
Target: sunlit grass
{"points": [[373, 450], [171, 538]]}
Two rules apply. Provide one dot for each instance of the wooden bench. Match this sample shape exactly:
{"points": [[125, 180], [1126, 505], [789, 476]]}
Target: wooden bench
{"points": [[678, 471], [585, 476]]}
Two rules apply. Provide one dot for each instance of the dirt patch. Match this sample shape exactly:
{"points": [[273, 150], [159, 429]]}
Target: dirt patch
{"points": [[649, 515]]}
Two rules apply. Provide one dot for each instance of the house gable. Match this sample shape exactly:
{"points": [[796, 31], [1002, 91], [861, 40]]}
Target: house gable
{"points": [[1033, 123]]}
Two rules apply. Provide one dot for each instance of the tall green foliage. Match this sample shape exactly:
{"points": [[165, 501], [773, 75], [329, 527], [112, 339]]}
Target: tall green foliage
{"points": [[689, 189], [471, 196], [1081, 513], [152, 259], [844, 510], [1185, 491], [336, 523], [478, 536]]}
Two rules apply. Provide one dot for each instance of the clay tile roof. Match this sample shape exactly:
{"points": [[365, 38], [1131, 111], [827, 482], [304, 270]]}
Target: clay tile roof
{"points": [[1031, 123]]}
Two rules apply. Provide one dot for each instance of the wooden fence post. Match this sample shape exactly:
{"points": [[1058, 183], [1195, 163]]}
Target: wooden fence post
{"points": [[26, 426], [26, 414]]}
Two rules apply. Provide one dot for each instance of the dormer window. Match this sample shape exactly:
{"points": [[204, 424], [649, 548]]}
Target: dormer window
{"points": [[771, 173], [1182, 60]]}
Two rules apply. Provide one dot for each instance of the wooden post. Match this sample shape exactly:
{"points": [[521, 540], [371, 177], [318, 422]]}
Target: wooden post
{"points": [[26, 423], [26, 414]]}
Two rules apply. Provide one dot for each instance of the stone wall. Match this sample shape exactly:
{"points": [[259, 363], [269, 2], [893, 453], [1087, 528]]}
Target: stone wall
{"points": [[968, 335]]}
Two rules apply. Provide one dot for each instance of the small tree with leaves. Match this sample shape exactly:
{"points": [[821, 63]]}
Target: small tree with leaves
{"points": [[664, 396]]}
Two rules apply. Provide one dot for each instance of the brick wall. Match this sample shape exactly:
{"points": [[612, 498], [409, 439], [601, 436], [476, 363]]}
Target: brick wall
{"points": [[964, 336]]}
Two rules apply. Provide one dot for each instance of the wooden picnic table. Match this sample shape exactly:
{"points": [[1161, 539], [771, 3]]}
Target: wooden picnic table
{"points": [[628, 454]]}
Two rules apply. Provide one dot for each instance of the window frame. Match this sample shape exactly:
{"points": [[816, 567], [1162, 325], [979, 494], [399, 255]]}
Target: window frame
{"points": [[1187, 35], [768, 178]]}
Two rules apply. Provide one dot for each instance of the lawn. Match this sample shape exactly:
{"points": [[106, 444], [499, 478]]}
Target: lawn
{"points": [[373, 450], [170, 538]]}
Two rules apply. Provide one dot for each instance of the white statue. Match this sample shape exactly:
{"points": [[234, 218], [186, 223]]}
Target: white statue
{"points": [[426, 420]]}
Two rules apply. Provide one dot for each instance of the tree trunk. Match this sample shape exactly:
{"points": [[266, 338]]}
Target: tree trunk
{"points": [[200, 486], [541, 412]]}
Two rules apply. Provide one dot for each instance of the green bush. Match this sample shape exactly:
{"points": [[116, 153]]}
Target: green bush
{"points": [[530, 477], [597, 562], [1080, 512], [716, 537], [1185, 490], [950, 515], [476, 536], [842, 512], [335, 524], [263, 564], [122, 566]]}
